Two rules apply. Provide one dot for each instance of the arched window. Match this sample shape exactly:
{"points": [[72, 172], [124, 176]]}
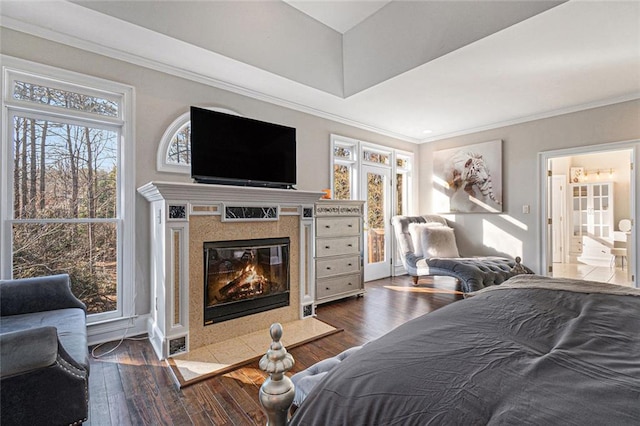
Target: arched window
{"points": [[174, 152]]}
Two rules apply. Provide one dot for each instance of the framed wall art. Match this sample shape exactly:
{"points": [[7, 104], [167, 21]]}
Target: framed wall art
{"points": [[576, 174], [468, 179]]}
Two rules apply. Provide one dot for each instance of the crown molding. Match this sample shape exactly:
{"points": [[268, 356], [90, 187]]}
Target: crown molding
{"points": [[534, 117], [161, 64]]}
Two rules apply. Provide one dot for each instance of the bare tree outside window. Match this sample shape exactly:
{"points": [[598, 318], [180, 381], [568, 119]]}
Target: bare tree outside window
{"points": [[341, 182], [65, 196], [375, 217], [180, 146], [400, 193]]}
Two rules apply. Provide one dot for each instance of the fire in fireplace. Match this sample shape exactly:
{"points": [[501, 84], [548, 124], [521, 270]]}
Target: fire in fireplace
{"points": [[244, 277]]}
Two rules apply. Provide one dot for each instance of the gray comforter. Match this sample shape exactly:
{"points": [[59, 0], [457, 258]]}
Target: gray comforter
{"points": [[525, 353]]}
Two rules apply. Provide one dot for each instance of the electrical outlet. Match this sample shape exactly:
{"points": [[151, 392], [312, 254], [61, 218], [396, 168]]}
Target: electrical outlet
{"points": [[526, 209]]}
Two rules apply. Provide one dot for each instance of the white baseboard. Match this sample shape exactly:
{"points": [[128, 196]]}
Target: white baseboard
{"points": [[116, 330]]}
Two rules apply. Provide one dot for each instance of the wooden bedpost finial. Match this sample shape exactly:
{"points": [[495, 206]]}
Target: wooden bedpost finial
{"points": [[277, 391]]}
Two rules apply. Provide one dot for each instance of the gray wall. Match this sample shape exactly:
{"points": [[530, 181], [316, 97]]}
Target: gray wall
{"points": [[160, 99], [515, 233]]}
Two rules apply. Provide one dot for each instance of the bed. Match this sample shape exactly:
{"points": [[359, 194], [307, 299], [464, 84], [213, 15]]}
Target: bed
{"points": [[532, 351], [427, 247]]}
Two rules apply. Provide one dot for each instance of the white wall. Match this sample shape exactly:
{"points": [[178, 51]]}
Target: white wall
{"points": [[160, 99], [514, 232], [616, 161]]}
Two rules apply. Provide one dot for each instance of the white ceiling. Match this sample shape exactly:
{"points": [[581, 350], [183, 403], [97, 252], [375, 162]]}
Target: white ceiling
{"points": [[341, 15], [574, 56]]}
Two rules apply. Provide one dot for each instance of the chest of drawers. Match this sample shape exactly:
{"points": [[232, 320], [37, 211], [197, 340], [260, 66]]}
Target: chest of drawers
{"points": [[338, 249]]}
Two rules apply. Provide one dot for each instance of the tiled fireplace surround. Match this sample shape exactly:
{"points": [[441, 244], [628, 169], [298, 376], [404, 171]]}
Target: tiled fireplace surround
{"points": [[183, 217]]}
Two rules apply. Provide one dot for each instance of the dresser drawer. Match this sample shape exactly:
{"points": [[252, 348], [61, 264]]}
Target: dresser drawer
{"points": [[337, 266], [337, 246], [337, 226], [576, 246], [330, 286]]}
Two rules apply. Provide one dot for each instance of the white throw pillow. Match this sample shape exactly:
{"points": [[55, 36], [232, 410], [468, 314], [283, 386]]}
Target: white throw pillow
{"points": [[415, 231], [438, 241]]}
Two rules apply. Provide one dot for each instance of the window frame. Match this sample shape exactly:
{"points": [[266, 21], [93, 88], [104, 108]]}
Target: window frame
{"points": [[352, 163], [22, 70], [358, 148], [163, 164], [407, 198]]}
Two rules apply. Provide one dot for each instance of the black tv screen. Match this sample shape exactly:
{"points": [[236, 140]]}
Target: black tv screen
{"points": [[234, 150]]}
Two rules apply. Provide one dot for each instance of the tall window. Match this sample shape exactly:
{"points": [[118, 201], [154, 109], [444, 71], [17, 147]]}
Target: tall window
{"points": [[403, 182], [66, 210], [348, 156], [344, 162], [363, 171]]}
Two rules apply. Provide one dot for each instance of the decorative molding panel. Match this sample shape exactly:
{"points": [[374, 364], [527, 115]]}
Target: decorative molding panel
{"points": [[250, 213]]}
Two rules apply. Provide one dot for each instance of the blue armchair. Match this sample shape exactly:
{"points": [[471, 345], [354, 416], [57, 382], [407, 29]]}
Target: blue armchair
{"points": [[44, 359]]}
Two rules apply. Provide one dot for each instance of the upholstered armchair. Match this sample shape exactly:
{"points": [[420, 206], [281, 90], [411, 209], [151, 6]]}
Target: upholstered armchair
{"points": [[44, 360]]}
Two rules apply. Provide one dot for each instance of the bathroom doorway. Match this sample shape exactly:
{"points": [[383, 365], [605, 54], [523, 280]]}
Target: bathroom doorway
{"points": [[590, 199]]}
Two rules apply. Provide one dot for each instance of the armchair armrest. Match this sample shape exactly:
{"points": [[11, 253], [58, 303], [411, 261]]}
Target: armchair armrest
{"points": [[26, 350], [38, 294]]}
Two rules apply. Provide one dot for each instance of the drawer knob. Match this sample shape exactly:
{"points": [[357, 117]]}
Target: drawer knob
{"points": [[327, 288], [327, 247], [327, 226], [349, 264], [328, 267], [349, 245], [350, 226], [349, 283]]}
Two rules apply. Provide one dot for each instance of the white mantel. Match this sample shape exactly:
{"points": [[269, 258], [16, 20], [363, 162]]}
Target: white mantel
{"points": [[199, 193], [175, 209]]}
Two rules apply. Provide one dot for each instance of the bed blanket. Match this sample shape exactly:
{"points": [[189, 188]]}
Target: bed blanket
{"points": [[506, 356]]}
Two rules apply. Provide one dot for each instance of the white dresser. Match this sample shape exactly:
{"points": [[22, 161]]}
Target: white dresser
{"points": [[338, 250]]}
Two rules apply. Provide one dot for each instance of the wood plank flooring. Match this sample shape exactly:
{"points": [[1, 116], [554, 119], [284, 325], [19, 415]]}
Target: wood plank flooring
{"points": [[130, 386]]}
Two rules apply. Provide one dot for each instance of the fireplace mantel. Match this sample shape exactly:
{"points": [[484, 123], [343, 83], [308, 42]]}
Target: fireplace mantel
{"points": [[182, 217], [199, 192]]}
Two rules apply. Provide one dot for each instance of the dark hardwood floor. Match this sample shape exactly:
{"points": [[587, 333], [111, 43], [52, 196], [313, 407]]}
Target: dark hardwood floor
{"points": [[130, 386]]}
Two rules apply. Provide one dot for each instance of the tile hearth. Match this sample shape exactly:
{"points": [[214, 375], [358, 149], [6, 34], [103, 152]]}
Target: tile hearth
{"points": [[222, 357]]}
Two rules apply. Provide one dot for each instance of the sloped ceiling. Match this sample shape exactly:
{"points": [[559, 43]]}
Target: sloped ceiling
{"points": [[415, 70]]}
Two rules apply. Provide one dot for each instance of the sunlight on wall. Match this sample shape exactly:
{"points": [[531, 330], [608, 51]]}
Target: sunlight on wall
{"points": [[485, 206], [515, 222], [440, 198], [500, 240]]}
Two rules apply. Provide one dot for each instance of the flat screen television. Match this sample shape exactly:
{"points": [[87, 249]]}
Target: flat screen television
{"points": [[233, 150]]}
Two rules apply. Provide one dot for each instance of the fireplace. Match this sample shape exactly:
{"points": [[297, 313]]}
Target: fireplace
{"points": [[185, 216], [245, 277]]}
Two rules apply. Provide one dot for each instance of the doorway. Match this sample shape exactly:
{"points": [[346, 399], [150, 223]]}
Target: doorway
{"points": [[590, 195], [558, 208], [376, 190]]}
